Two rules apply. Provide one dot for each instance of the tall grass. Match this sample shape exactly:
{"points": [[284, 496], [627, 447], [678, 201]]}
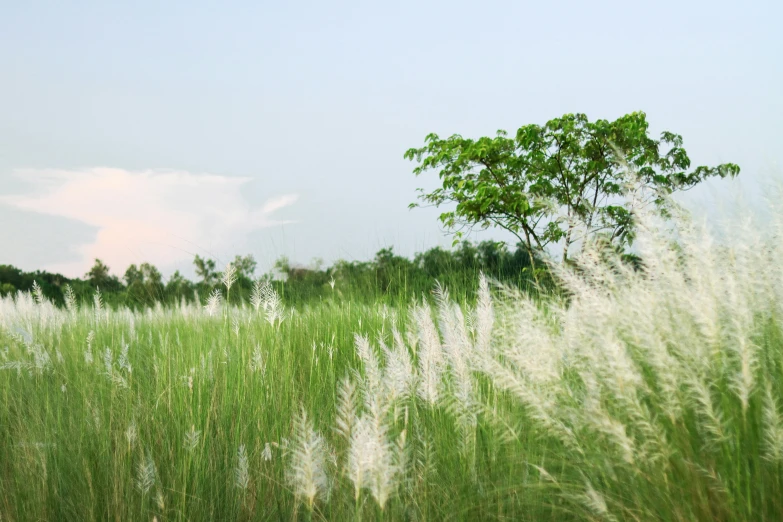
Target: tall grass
{"points": [[650, 394]]}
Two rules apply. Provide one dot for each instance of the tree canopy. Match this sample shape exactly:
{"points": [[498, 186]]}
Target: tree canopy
{"points": [[387, 277], [563, 181]]}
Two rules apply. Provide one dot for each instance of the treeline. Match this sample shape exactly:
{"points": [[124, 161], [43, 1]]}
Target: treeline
{"points": [[386, 278]]}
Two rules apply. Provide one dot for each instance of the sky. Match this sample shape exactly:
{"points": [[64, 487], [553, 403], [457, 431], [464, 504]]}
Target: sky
{"points": [[155, 131]]}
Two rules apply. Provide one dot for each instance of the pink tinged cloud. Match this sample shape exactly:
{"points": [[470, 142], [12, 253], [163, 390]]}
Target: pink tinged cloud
{"points": [[160, 216]]}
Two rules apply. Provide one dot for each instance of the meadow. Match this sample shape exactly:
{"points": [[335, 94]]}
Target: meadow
{"points": [[629, 395]]}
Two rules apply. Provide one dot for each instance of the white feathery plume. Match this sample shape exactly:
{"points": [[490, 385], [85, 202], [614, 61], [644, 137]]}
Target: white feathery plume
{"points": [[264, 297], [145, 474], [485, 317], [596, 503], [257, 297], [229, 276], [38, 293], [372, 458], [372, 370], [430, 356], [307, 474], [242, 471], [88, 358], [97, 304], [257, 364], [266, 454], [399, 374], [773, 428], [70, 299], [346, 407], [192, 438], [213, 302], [131, 433]]}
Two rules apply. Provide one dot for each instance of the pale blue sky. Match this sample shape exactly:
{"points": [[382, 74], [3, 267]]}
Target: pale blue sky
{"points": [[315, 103]]}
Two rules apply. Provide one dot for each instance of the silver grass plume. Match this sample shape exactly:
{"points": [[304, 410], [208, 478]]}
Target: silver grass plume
{"points": [[484, 317], [38, 293], [346, 408], [97, 304], [596, 503], [235, 325], [257, 297], [145, 474], [266, 454], [131, 433], [192, 438], [88, 358], [123, 362], [399, 374], [265, 298], [257, 364], [773, 428], [108, 362], [242, 472], [213, 302], [372, 457], [70, 299], [457, 347], [430, 354], [229, 277], [307, 474], [372, 370]]}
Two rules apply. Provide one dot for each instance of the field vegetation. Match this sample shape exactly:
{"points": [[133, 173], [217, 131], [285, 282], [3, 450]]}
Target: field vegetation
{"points": [[649, 392], [637, 378]]}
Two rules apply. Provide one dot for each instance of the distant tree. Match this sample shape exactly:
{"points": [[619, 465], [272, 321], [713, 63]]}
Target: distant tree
{"points": [[564, 180], [493, 255], [205, 269], [178, 287], [434, 261], [467, 256], [145, 284], [99, 276], [390, 269], [153, 281], [150, 274], [133, 275], [12, 276], [245, 266]]}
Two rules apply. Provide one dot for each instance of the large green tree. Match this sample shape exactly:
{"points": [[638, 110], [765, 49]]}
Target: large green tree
{"points": [[563, 181]]}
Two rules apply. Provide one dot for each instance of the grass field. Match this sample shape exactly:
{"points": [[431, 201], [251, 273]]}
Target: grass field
{"points": [[633, 395]]}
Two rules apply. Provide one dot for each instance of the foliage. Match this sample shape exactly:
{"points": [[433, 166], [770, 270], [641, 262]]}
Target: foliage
{"points": [[564, 180], [99, 277], [651, 394], [205, 269], [388, 277]]}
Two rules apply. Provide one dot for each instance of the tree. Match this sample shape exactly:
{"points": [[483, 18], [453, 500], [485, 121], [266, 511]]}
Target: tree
{"points": [[434, 262], [245, 266], [151, 276], [178, 287], [98, 276], [205, 269], [7, 289], [145, 283], [561, 181], [133, 275]]}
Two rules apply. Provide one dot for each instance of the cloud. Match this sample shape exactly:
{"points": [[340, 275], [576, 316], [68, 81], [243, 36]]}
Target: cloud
{"points": [[160, 216]]}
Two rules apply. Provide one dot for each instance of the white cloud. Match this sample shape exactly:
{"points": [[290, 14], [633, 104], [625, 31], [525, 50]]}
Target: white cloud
{"points": [[160, 216]]}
